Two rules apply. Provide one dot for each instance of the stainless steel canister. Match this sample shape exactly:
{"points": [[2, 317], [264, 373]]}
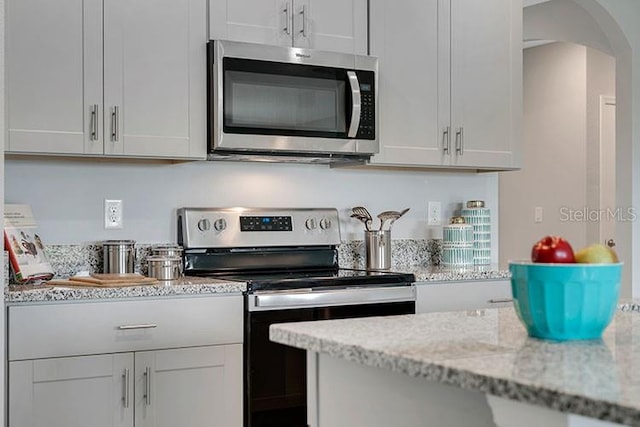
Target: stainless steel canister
{"points": [[119, 256], [169, 250], [165, 268], [377, 246]]}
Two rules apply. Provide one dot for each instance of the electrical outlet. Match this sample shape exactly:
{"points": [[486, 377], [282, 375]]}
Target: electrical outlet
{"points": [[113, 214], [434, 213]]}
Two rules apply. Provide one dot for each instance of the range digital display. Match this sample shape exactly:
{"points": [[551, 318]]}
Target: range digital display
{"points": [[265, 223]]}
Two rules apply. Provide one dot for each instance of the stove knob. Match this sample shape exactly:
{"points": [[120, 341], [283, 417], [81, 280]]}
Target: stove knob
{"points": [[220, 224], [325, 223], [204, 224], [311, 224]]}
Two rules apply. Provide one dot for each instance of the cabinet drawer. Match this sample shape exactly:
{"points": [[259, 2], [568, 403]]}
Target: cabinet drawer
{"points": [[454, 296], [64, 329]]}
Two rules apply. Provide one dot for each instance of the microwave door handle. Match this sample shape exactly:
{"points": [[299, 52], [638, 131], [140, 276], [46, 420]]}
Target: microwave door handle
{"points": [[356, 106]]}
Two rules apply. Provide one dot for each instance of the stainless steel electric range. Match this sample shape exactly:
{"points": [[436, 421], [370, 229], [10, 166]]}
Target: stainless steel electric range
{"points": [[289, 260]]}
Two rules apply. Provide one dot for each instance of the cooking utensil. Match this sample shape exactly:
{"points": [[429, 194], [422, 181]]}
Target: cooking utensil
{"points": [[364, 216], [401, 213], [391, 216], [386, 216]]}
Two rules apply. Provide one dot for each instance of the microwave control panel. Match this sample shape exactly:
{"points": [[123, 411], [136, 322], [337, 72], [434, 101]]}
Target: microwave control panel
{"points": [[367, 128]]}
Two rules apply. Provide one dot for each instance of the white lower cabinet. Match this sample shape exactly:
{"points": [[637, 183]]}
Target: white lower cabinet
{"points": [[70, 392], [465, 295], [193, 387], [142, 363]]}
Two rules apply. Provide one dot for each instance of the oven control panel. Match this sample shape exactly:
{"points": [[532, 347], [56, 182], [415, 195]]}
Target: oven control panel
{"points": [[257, 227]]}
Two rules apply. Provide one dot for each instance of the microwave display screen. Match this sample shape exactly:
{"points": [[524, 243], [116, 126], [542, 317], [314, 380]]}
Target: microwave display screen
{"points": [[365, 87]]}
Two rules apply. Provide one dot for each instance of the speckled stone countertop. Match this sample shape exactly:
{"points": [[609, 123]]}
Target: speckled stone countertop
{"points": [[489, 351], [17, 294], [439, 273]]}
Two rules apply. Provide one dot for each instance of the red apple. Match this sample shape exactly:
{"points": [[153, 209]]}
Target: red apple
{"points": [[552, 249]]}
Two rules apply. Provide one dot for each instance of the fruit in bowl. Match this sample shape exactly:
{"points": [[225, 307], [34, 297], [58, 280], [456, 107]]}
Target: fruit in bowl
{"points": [[567, 300]]}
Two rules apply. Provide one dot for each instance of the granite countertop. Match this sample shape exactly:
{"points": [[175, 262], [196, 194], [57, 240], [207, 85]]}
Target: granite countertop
{"points": [[188, 286], [489, 351], [439, 273]]}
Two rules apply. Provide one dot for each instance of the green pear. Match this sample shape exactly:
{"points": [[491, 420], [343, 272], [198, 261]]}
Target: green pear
{"points": [[596, 254]]}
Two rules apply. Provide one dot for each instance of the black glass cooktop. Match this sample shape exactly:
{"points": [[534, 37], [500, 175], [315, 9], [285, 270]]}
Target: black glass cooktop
{"points": [[296, 279]]}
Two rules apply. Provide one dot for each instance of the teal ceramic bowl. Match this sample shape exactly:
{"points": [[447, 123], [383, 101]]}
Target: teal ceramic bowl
{"points": [[565, 301]]}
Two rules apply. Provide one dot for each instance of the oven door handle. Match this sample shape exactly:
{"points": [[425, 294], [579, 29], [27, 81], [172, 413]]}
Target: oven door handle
{"points": [[355, 104], [291, 300]]}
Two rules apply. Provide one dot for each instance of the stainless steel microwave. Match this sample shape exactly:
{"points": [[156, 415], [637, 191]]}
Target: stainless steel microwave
{"points": [[272, 102]]}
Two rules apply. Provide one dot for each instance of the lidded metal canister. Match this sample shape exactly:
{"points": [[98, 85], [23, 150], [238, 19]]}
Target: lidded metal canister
{"points": [[119, 256]]}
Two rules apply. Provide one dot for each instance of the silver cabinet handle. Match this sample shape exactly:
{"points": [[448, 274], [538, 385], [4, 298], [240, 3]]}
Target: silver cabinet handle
{"points": [[147, 386], [94, 123], [500, 300], [114, 123], [446, 140], [140, 326], [460, 141], [355, 109], [303, 13], [287, 19], [125, 388]]}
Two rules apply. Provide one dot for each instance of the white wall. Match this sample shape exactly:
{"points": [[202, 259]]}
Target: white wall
{"points": [[67, 196], [562, 86], [553, 175]]}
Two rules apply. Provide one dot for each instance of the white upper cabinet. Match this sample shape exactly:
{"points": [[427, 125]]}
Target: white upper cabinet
{"points": [[152, 55], [450, 84], [486, 82], [404, 36], [332, 25], [54, 75]]}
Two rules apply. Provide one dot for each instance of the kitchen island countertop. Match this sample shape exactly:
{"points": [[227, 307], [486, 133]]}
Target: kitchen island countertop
{"points": [[17, 294], [489, 351]]}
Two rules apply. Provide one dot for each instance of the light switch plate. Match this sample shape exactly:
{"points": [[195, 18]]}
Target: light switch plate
{"points": [[537, 214]]}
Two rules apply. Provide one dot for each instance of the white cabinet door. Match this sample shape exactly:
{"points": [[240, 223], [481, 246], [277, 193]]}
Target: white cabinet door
{"points": [[405, 38], [72, 392], [195, 387], [486, 68], [251, 21], [450, 84], [54, 76], [155, 78], [455, 296], [332, 25]]}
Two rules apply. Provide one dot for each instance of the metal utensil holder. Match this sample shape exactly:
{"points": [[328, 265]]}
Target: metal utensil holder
{"points": [[377, 244]]}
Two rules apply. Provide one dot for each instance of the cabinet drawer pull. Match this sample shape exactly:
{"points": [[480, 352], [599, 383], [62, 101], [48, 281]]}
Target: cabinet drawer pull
{"points": [[287, 26], [147, 386], [446, 140], [500, 300], [460, 141], [141, 326], [303, 14], [114, 124], [94, 123], [125, 387]]}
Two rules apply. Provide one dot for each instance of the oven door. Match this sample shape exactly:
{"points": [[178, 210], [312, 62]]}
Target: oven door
{"points": [[275, 375], [281, 106]]}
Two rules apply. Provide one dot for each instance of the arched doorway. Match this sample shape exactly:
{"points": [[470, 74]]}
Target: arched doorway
{"points": [[608, 26]]}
